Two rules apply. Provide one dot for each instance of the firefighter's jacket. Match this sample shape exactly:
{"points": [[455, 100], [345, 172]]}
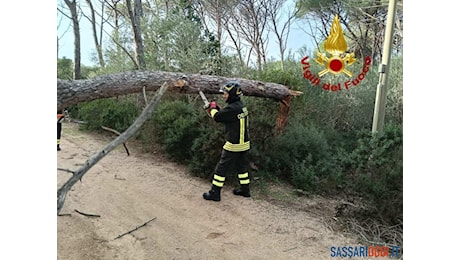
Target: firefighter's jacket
{"points": [[60, 116], [235, 118]]}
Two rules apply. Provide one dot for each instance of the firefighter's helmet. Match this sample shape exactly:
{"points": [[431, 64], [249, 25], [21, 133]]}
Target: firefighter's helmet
{"points": [[233, 88]]}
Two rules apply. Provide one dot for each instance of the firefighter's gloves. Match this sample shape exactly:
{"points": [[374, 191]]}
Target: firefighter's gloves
{"points": [[213, 105]]}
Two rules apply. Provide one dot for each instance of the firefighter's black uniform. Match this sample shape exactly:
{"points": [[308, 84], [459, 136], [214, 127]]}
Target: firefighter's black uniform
{"points": [[60, 118], [235, 150]]}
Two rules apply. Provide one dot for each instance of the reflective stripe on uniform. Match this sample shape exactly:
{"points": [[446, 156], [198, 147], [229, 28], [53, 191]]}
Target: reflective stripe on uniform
{"points": [[244, 178], [218, 184], [213, 112], [243, 175], [218, 180], [237, 147], [244, 181], [242, 130]]}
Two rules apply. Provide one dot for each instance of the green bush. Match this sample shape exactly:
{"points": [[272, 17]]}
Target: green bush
{"points": [[302, 156], [378, 171], [189, 135], [177, 125], [206, 150], [115, 113], [262, 118], [290, 76]]}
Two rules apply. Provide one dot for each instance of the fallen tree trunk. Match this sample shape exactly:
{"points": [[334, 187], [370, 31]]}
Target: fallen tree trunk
{"points": [[76, 91]]}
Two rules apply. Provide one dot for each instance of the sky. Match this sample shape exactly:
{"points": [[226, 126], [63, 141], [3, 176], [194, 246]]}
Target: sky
{"points": [[431, 131], [297, 39]]}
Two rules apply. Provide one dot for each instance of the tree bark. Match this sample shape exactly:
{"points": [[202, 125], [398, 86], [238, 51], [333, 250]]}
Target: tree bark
{"points": [[76, 91], [283, 115], [76, 31], [135, 18], [93, 27]]}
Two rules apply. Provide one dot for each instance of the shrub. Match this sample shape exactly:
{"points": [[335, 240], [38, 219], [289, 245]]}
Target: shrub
{"points": [[206, 150], [378, 175], [262, 118], [176, 127], [115, 113], [189, 135], [301, 156]]}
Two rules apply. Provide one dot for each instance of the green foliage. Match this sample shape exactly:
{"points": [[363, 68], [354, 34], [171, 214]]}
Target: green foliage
{"points": [[189, 135], [262, 118], [289, 75], [185, 9], [88, 72], [64, 69], [173, 43], [177, 126], [328, 146], [372, 148], [394, 107], [376, 171], [306, 6], [115, 113], [352, 109], [301, 156], [206, 150]]}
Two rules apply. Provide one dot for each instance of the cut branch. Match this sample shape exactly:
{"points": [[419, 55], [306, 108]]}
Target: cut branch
{"points": [[87, 215], [118, 133], [126, 233], [145, 95], [71, 92], [66, 170], [146, 113]]}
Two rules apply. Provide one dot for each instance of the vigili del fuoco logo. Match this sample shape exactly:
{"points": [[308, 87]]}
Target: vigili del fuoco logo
{"points": [[336, 63]]}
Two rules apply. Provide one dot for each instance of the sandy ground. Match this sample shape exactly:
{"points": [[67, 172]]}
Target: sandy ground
{"points": [[127, 191]]}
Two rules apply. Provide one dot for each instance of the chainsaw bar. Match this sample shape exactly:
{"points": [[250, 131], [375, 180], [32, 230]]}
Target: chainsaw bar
{"points": [[205, 100]]}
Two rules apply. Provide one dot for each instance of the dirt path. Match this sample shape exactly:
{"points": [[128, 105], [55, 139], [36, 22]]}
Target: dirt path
{"points": [[127, 191]]}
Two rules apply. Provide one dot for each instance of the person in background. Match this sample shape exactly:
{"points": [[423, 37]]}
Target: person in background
{"points": [[60, 118], [235, 150]]}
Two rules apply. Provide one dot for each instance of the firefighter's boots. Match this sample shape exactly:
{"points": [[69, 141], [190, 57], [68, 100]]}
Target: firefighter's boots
{"points": [[213, 194], [243, 191]]}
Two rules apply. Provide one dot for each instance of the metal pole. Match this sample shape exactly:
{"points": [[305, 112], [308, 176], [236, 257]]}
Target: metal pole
{"points": [[384, 69]]}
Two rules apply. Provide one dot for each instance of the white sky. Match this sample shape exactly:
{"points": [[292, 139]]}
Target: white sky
{"points": [[297, 39]]}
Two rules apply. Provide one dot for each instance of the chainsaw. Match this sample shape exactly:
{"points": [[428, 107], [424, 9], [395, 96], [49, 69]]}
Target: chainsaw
{"points": [[205, 100]]}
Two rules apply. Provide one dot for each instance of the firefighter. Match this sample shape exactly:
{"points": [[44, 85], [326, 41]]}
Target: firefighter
{"points": [[235, 150], [60, 118]]}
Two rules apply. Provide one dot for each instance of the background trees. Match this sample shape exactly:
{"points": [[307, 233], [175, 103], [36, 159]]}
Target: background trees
{"points": [[326, 146]]}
